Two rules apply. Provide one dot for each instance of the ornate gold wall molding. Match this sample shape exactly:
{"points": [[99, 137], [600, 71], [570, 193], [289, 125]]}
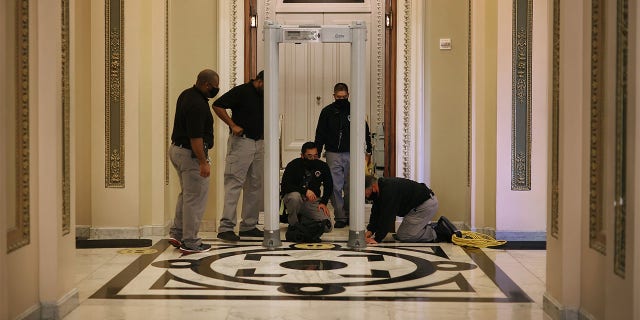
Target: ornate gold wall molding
{"points": [[66, 102], [469, 92], [379, 72], [166, 93], [521, 95], [555, 122], [406, 91], [597, 236], [20, 235], [234, 41], [114, 94], [620, 196]]}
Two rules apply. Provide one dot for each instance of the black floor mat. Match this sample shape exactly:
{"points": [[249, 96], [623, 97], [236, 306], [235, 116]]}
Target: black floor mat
{"points": [[112, 243], [523, 245]]}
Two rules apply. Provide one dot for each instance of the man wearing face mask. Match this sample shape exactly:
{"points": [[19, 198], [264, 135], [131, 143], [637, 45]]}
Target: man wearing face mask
{"points": [[413, 201], [245, 161], [300, 187], [191, 139], [332, 134]]}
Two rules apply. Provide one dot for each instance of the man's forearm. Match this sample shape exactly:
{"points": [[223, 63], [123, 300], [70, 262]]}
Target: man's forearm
{"points": [[197, 147], [223, 115]]}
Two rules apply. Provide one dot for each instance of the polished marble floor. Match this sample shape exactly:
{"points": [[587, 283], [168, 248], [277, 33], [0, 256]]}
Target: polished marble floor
{"points": [[244, 280]]}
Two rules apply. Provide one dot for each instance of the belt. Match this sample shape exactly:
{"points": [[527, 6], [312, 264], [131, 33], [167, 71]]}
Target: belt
{"points": [[246, 136], [183, 146]]}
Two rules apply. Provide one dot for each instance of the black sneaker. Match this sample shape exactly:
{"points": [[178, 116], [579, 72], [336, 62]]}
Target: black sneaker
{"points": [[255, 232], [175, 242], [228, 236], [445, 230], [203, 247], [340, 224]]}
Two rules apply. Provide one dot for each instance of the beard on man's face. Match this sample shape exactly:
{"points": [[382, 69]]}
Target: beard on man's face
{"points": [[373, 196]]}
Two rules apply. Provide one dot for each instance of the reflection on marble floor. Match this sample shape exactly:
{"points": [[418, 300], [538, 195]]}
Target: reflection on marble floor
{"points": [[244, 280]]}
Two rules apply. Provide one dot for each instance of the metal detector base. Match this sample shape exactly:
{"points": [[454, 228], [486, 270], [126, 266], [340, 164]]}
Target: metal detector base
{"points": [[271, 239], [356, 240]]}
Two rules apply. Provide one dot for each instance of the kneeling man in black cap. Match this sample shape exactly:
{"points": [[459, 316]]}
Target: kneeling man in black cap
{"points": [[413, 201]]}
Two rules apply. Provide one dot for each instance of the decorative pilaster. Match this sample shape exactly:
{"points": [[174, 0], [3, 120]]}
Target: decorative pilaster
{"points": [[620, 196], [66, 115], [114, 94], [555, 122], [521, 95], [597, 239], [20, 236]]}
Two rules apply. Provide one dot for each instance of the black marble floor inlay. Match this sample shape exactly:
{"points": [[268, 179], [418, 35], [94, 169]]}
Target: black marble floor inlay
{"points": [[326, 271]]}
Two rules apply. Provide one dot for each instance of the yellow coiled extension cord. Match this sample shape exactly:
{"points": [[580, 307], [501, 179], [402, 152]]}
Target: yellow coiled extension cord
{"points": [[476, 239]]}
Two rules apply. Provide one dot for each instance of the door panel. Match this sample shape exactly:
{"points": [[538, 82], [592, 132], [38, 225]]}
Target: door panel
{"points": [[308, 73], [298, 105]]}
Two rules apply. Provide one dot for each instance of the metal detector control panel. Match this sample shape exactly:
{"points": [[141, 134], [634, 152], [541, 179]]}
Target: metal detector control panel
{"points": [[315, 33]]}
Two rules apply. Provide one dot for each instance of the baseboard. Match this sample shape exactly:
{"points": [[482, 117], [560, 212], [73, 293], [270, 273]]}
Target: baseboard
{"points": [[556, 311], [521, 235], [89, 232], [53, 311], [33, 313]]}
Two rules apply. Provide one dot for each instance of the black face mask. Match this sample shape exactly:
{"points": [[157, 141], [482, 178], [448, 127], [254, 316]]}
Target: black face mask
{"points": [[373, 196], [213, 92], [306, 162], [342, 103]]}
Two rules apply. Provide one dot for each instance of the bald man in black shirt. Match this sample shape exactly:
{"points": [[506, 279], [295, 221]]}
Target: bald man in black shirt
{"points": [[191, 139]]}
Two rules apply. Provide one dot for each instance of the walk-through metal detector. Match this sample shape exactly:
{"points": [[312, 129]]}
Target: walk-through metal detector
{"points": [[356, 34]]}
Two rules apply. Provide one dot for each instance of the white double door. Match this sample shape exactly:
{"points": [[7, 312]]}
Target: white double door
{"points": [[308, 72]]}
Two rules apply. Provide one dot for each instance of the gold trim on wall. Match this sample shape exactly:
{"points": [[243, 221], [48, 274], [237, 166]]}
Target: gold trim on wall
{"points": [[555, 122], [114, 94], [166, 92], [469, 92], [20, 236], [406, 91], [597, 235], [620, 196], [66, 147], [521, 95]]}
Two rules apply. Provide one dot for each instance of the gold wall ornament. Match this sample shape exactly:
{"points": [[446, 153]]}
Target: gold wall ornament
{"points": [[19, 236], [406, 92], [66, 141], [597, 235], [114, 94], [555, 123], [521, 95], [166, 93], [620, 195]]}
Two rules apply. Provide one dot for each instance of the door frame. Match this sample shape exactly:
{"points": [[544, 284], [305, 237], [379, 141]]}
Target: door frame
{"points": [[390, 67]]}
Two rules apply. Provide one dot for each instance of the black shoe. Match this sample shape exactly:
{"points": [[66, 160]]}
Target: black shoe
{"points": [[340, 224], [255, 232], [228, 236], [174, 242], [445, 230], [203, 247]]}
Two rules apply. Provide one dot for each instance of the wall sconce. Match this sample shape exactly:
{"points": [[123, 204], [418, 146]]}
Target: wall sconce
{"points": [[387, 20], [253, 21]]}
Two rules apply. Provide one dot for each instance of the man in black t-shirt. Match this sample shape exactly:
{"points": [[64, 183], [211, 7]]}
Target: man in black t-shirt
{"points": [[244, 163], [300, 187], [413, 201], [333, 134], [191, 139]]}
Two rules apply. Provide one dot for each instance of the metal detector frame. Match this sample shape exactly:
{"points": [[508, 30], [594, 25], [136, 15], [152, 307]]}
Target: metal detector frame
{"points": [[356, 34]]}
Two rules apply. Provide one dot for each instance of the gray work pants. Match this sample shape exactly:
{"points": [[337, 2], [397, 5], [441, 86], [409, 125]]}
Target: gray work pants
{"points": [[192, 199], [301, 210], [243, 171], [338, 163], [414, 226]]}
